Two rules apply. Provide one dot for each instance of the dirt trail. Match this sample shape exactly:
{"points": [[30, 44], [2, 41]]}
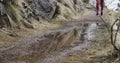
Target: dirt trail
{"points": [[61, 43], [81, 46], [78, 53]]}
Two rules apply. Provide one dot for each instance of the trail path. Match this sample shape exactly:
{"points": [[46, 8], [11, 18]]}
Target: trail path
{"points": [[77, 54], [88, 31]]}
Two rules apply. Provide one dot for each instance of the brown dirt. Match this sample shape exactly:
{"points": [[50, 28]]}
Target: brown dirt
{"points": [[88, 51], [98, 49]]}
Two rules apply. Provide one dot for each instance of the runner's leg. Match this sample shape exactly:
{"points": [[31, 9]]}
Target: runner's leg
{"points": [[102, 6], [97, 7]]}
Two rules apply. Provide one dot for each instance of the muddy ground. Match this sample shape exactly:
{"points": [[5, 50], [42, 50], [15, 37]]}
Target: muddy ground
{"points": [[93, 47], [85, 40]]}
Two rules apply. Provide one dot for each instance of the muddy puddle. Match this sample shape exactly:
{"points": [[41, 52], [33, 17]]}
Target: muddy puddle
{"points": [[33, 53], [87, 36]]}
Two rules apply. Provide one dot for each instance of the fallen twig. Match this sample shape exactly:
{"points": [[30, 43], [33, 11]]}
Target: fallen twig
{"points": [[111, 32]]}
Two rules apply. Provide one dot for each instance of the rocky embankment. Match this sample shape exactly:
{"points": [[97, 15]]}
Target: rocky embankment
{"points": [[19, 13], [22, 18]]}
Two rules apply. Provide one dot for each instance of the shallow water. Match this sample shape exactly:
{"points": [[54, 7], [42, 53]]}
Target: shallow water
{"points": [[88, 37], [90, 31]]}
